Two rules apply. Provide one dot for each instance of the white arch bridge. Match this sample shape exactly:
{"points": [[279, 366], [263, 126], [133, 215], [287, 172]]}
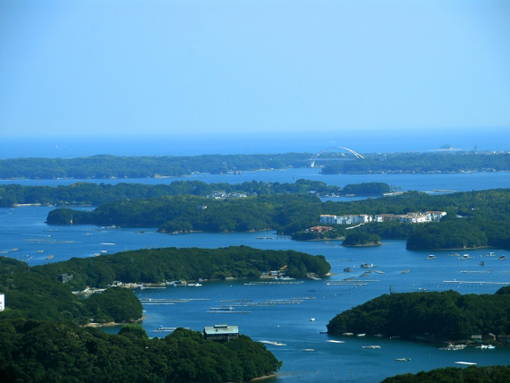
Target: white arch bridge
{"points": [[315, 157]]}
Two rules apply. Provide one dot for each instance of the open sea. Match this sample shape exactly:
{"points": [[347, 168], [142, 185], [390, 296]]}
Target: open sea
{"points": [[293, 314], [376, 141]]}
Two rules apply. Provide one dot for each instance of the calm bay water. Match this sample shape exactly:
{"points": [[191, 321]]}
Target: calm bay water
{"points": [[24, 229]]}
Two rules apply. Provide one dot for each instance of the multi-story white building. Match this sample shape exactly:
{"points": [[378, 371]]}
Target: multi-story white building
{"points": [[345, 219], [414, 218], [429, 216], [435, 216]]}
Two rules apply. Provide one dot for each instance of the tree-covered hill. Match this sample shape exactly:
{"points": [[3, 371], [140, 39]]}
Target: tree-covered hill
{"points": [[191, 213], [33, 294], [170, 264], [444, 315], [106, 166], [474, 219], [86, 193], [429, 162], [40, 352], [471, 374]]}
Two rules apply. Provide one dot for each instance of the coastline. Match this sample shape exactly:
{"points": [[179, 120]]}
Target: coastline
{"points": [[113, 324]]}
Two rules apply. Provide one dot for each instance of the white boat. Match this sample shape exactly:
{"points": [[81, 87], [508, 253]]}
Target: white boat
{"points": [[482, 346], [272, 343], [309, 349], [466, 363], [312, 319], [361, 334], [373, 346], [403, 359], [335, 341], [431, 256], [454, 347]]}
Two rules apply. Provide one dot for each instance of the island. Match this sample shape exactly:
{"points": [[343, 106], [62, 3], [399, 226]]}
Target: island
{"points": [[474, 374], [121, 167], [86, 193], [459, 220], [362, 239], [431, 316]]}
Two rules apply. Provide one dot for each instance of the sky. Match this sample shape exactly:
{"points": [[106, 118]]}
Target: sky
{"points": [[218, 67]]}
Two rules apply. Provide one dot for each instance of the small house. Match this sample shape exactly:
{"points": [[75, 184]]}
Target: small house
{"points": [[489, 337], [221, 332]]}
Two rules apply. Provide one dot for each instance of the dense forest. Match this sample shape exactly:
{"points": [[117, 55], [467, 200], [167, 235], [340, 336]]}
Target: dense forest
{"points": [[362, 239], [40, 340], [40, 352], [474, 219], [440, 316], [170, 264], [85, 193], [429, 162], [32, 293], [471, 374], [105, 166], [35, 293]]}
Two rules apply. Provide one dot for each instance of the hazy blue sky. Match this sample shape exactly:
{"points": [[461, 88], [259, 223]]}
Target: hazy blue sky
{"points": [[197, 67]]}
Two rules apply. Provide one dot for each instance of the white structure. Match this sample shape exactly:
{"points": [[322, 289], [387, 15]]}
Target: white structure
{"points": [[435, 216], [2, 302], [428, 216], [345, 219], [414, 218]]}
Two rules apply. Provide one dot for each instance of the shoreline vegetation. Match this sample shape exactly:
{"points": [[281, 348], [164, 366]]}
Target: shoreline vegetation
{"points": [[477, 219], [91, 194], [43, 351], [428, 316], [35, 293], [118, 167], [44, 317]]}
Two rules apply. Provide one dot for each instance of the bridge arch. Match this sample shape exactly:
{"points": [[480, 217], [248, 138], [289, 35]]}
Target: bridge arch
{"points": [[316, 156]]}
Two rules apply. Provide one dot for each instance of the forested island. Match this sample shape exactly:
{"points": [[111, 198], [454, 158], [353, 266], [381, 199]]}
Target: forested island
{"points": [[474, 219], [471, 374], [362, 239], [437, 316], [35, 293], [428, 162], [85, 193], [171, 264], [107, 166]]}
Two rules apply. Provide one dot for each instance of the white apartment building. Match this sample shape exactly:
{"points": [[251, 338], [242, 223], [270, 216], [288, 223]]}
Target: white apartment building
{"points": [[428, 216], [345, 219]]}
